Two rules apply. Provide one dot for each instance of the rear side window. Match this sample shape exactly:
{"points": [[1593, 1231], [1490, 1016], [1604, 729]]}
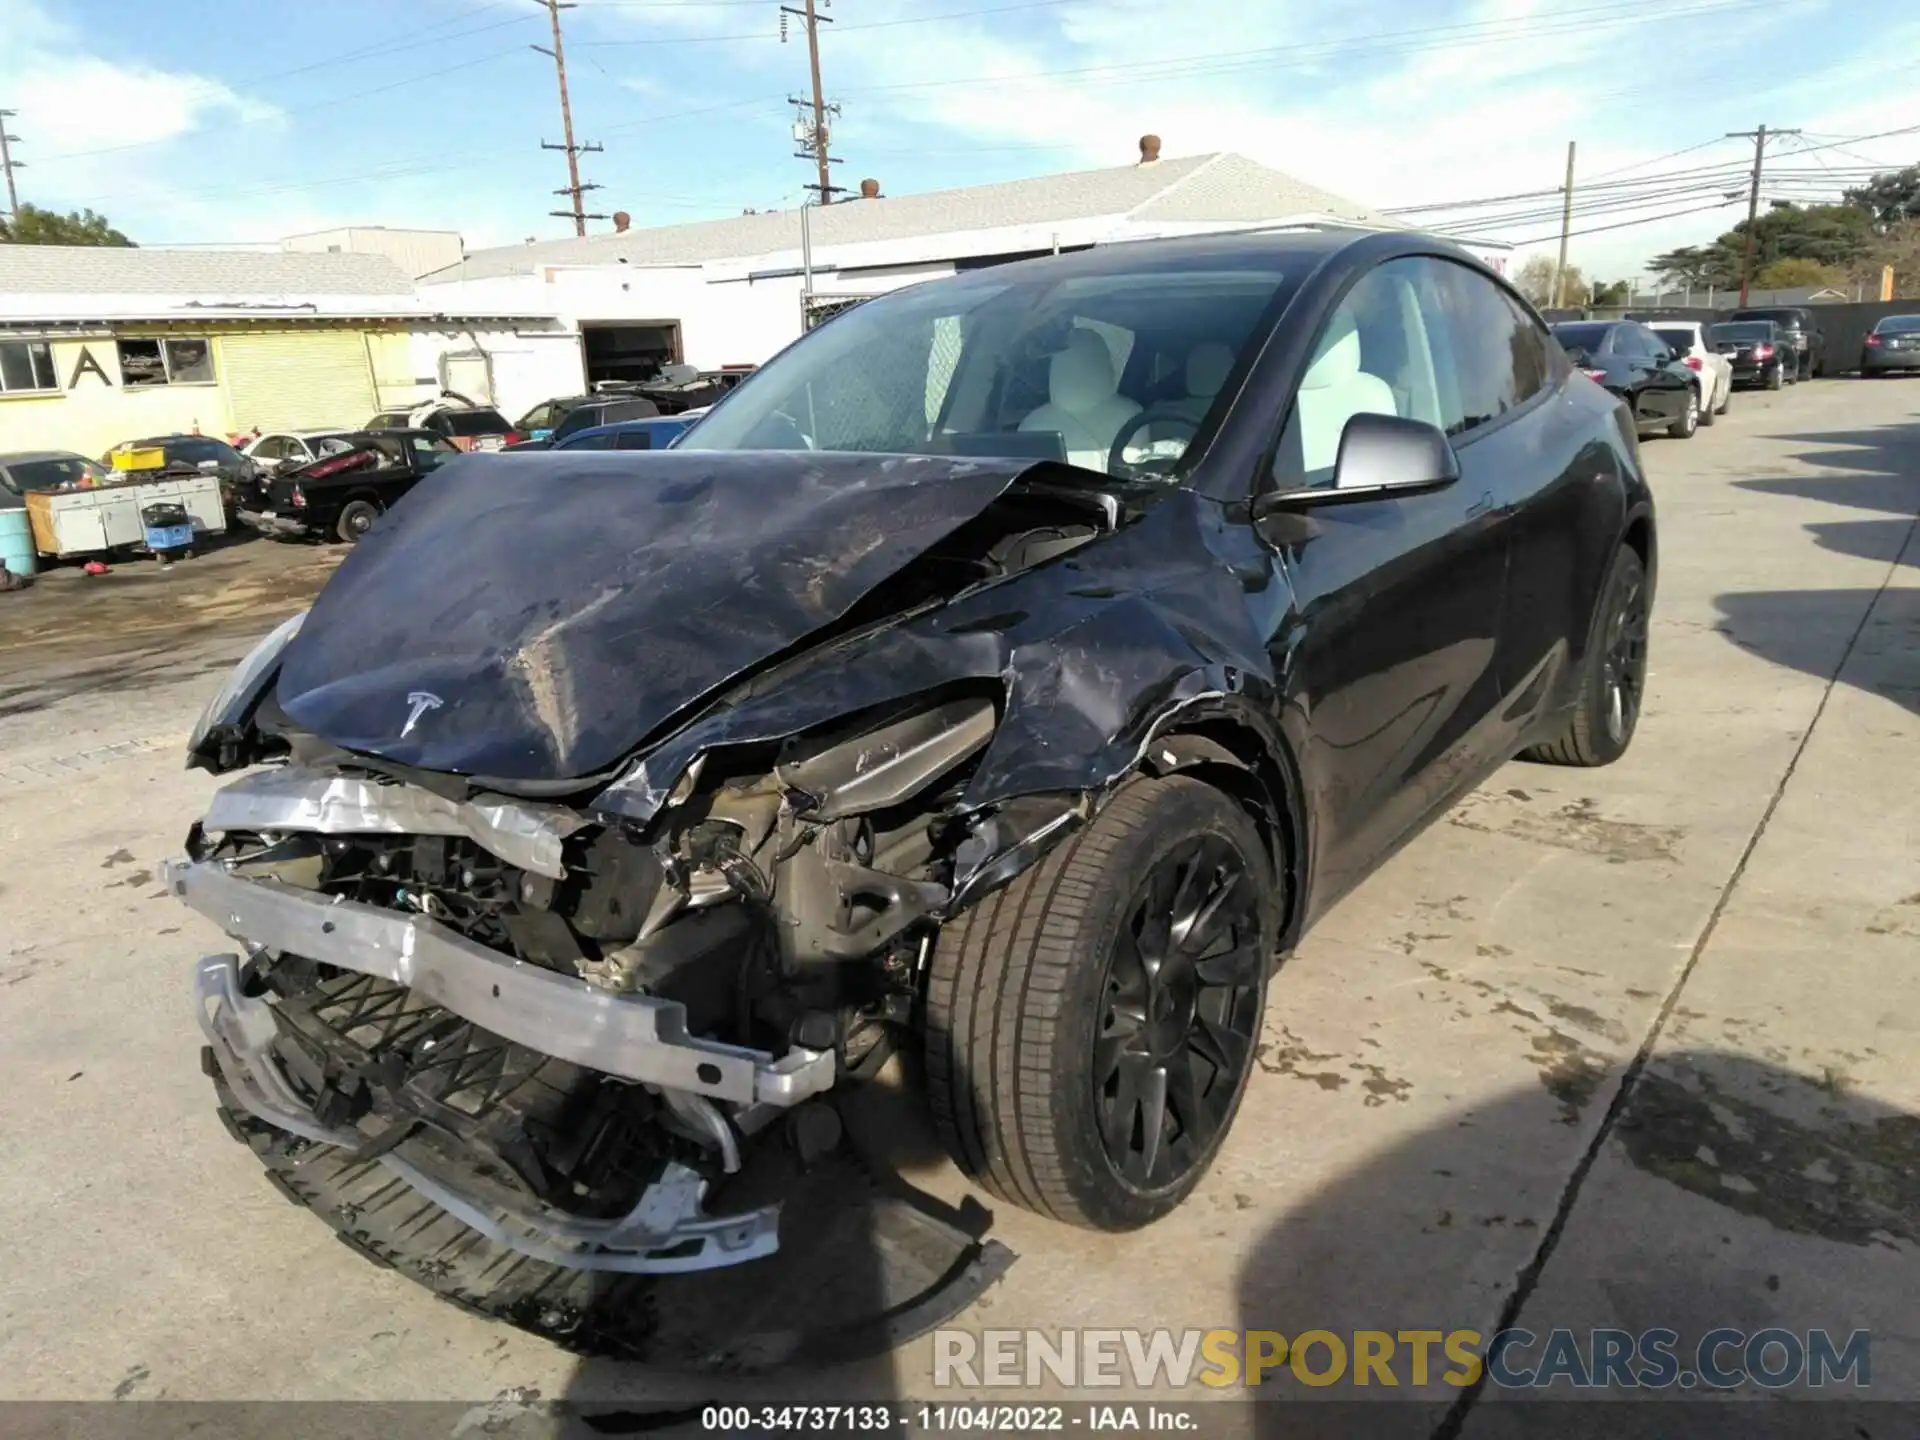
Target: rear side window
{"points": [[474, 422], [1590, 338], [1679, 341], [588, 442], [1492, 346], [633, 440]]}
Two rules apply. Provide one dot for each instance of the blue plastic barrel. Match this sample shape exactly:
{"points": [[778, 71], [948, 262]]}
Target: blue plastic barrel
{"points": [[16, 541]]}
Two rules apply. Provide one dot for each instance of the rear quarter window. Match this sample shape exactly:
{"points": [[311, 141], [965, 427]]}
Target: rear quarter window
{"points": [[474, 422]]}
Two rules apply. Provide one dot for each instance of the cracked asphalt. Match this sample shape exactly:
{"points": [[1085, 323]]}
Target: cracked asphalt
{"points": [[1629, 1048]]}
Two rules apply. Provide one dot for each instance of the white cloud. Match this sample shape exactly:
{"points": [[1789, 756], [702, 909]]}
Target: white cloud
{"points": [[94, 125]]}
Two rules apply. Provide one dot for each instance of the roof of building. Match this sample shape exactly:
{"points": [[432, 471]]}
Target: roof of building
{"points": [[1222, 186], [116, 270]]}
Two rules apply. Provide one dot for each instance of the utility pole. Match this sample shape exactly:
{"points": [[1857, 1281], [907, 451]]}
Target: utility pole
{"points": [[1759, 138], [1566, 225], [573, 188], [815, 134], [9, 164]]}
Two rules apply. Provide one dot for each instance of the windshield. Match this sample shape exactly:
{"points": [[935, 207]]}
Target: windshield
{"points": [[1112, 372], [28, 475], [1744, 330], [1679, 341], [1581, 337], [1898, 325]]}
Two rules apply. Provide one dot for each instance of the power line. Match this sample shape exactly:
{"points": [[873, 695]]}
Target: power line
{"points": [[1242, 59], [1625, 224], [844, 29]]}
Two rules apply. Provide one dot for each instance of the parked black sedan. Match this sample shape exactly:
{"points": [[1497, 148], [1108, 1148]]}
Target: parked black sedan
{"points": [[1759, 351], [1012, 668], [1800, 332], [1892, 346], [1632, 362]]}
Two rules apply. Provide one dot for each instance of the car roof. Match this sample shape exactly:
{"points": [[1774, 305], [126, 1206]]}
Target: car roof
{"points": [[1305, 246], [23, 457], [624, 427]]}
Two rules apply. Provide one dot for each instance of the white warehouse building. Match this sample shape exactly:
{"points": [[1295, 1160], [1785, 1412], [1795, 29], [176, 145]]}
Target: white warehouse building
{"points": [[733, 291]]}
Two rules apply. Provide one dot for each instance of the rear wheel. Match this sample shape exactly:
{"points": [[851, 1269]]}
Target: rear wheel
{"points": [[1776, 377], [1090, 1028], [1689, 419], [1613, 674], [1707, 412], [356, 518]]}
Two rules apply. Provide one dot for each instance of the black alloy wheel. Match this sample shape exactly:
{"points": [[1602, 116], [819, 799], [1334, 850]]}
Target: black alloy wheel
{"points": [[1181, 1014], [1624, 670], [1613, 674], [1090, 1027]]}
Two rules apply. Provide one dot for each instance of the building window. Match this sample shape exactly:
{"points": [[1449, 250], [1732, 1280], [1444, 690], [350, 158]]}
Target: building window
{"points": [[26, 366], [165, 362]]}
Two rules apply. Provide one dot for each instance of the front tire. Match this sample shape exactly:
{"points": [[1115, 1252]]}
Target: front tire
{"points": [[1090, 1028], [1613, 674]]}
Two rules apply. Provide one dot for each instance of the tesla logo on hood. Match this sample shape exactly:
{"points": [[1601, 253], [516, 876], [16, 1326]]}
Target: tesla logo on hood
{"points": [[422, 701]]}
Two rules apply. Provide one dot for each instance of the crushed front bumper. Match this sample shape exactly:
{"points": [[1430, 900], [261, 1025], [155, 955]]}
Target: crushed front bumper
{"points": [[634, 1037]]}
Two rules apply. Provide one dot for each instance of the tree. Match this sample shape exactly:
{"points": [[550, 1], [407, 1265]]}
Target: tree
{"points": [[1610, 295], [1826, 235], [1899, 246], [1889, 197], [1535, 281], [34, 226], [1695, 267], [1793, 272]]}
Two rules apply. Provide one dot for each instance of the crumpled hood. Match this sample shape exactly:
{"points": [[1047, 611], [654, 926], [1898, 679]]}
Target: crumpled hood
{"points": [[533, 617]]}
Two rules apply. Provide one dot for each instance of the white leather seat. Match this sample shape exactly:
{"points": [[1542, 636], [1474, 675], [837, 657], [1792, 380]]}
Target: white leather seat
{"points": [[1083, 404], [1334, 391], [1208, 365]]}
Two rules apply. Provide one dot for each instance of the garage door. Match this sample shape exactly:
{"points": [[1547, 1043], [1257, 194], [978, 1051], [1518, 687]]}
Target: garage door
{"points": [[311, 380]]}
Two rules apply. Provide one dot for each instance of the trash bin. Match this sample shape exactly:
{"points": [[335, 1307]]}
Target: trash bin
{"points": [[16, 541], [169, 529]]}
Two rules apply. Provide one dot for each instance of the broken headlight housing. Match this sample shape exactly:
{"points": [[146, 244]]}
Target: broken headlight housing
{"points": [[228, 712]]}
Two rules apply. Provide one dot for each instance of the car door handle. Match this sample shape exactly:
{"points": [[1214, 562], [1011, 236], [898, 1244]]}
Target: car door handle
{"points": [[1480, 506]]}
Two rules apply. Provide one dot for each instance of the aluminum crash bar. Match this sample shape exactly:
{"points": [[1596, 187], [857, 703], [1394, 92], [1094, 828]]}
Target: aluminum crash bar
{"points": [[638, 1038]]}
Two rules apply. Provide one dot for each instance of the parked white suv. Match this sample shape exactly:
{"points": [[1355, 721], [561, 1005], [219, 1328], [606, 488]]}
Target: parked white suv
{"points": [[1687, 339]]}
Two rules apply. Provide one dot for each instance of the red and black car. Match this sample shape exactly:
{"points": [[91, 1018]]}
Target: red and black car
{"points": [[339, 496]]}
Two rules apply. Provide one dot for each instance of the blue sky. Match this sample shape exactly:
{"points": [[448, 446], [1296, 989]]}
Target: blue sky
{"points": [[221, 120]]}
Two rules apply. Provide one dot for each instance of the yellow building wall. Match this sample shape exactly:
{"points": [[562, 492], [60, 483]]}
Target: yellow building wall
{"points": [[91, 415]]}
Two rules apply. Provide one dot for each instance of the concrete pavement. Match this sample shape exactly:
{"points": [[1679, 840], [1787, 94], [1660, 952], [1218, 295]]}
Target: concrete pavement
{"points": [[1728, 914]]}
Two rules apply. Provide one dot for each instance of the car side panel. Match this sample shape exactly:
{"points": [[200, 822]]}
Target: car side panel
{"points": [[1569, 508]]}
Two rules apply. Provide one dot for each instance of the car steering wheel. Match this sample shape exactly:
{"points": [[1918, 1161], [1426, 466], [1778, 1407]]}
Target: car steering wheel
{"points": [[1155, 462]]}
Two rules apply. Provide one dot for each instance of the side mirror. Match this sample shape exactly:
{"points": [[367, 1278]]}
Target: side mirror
{"points": [[1381, 456]]}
